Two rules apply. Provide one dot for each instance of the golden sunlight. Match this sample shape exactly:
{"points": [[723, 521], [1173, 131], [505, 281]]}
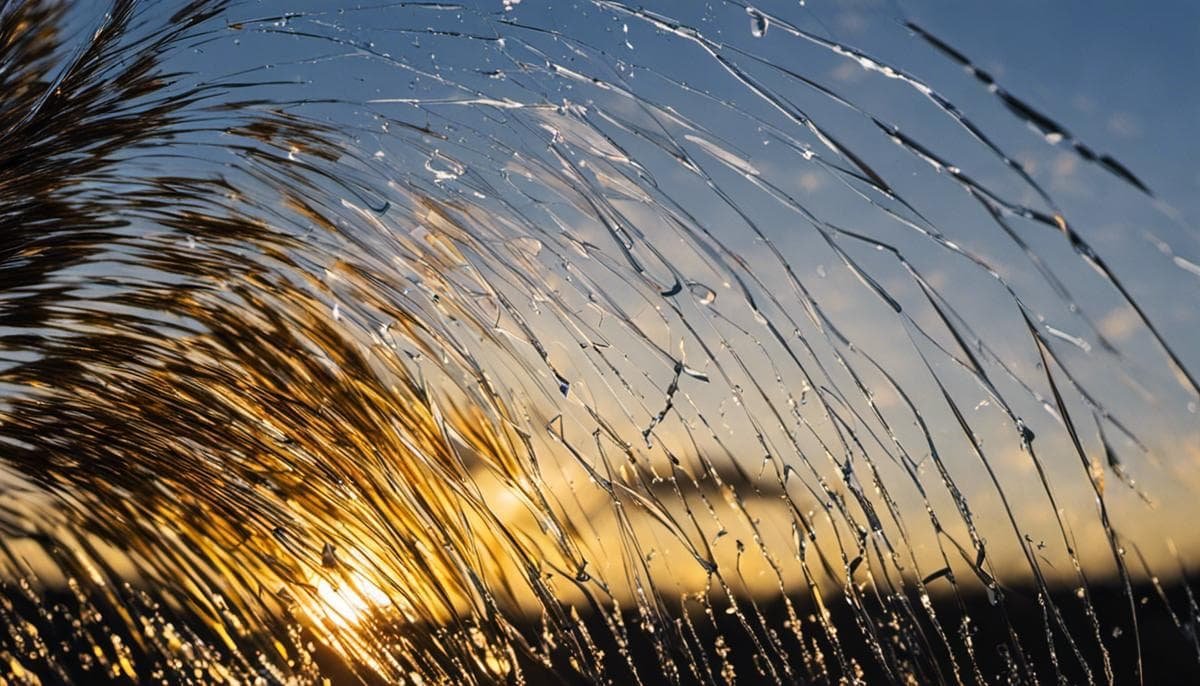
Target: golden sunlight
{"points": [[349, 603]]}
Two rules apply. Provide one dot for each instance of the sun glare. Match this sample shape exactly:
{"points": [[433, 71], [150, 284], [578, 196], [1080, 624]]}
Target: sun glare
{"points": [[349, 603]]}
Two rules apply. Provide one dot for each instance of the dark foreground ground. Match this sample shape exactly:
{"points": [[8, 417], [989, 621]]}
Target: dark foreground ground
{"points": [[1169, 651]]}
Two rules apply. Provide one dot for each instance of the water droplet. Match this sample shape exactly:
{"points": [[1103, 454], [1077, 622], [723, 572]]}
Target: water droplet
{"points": [[758, 22], [703, 294]]}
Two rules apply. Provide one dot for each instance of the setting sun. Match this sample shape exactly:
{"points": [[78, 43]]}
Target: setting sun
{"points": [[349, 603]]}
